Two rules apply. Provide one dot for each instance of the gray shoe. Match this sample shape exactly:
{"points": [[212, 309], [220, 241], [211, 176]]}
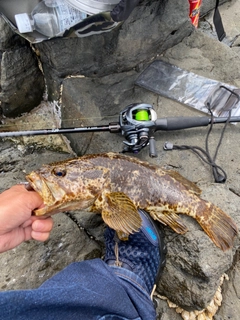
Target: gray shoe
{"points": [[95, 24], [144, 253]]}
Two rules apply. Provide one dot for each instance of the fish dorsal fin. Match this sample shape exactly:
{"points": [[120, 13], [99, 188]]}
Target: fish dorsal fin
{"points": [[120, 213], [191, 186]]}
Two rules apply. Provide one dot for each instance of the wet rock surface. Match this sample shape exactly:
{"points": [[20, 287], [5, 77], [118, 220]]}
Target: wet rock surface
{"points": [[21, 80], [194, 264]]}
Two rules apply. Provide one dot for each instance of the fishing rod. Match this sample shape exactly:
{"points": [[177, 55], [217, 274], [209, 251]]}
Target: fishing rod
{"points": [[137, 123]]}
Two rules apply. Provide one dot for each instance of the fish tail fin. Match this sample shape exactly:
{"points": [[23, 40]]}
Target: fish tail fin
{"points": [[220, 227]]}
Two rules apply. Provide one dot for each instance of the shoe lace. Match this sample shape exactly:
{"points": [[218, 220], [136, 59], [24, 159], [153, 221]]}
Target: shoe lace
{"points": [[153, 291], [117, 263]]}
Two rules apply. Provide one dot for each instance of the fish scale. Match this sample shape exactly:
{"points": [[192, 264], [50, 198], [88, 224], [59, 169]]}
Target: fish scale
{"points": [[116, 186]]}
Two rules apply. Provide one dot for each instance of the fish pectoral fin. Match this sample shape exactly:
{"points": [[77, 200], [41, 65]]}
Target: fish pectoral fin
{"points": [[120, 213], [168, 218]]}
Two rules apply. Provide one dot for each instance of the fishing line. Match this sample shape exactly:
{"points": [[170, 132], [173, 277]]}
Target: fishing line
{"points": [[219, 173], [74, 219]]}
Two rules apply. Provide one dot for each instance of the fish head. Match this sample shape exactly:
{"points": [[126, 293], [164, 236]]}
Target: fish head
{"points": [[68, 185]]}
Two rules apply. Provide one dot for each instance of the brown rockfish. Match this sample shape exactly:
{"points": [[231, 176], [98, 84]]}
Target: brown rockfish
{"points": [[116, 186]]}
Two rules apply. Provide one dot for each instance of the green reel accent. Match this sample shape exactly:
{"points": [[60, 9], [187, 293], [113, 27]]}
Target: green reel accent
{"points": [[142, 115]]}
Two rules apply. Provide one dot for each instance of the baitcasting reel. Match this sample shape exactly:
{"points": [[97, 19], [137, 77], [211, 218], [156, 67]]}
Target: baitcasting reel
{"points": [[137, 123]]}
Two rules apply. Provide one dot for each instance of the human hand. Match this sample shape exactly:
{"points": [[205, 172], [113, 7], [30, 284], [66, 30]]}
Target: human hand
{"points": [[16, 221]]}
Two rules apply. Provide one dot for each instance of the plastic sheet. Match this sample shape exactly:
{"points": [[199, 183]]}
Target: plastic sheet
{"points": [[190, 89]]}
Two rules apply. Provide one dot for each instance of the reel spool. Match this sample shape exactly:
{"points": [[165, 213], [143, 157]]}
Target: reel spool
{"points": [[136, 122]]}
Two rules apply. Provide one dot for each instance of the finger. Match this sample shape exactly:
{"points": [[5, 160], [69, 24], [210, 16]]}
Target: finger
{"points": [[30, 221], [18, 187], [42, 225], [32, 198], [27, 223], [28, 233], [40, 236], [22, 187]]}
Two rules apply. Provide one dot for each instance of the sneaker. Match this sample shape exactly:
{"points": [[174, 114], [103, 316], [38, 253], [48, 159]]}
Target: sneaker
{"points": [[95, 24], [144, 253]]}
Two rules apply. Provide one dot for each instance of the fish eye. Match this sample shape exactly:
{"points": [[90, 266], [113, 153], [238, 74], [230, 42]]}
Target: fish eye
{"points": [[59, 172]]}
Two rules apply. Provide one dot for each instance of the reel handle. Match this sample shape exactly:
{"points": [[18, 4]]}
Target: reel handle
{"points": [[152, 148]]}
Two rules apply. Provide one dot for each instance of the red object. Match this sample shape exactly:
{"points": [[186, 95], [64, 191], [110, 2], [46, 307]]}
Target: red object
{"points": [[194, 11]]}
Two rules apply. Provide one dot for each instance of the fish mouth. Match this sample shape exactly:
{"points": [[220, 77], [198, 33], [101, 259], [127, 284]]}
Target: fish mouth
{"points": [[49, 193], [35, 182]]}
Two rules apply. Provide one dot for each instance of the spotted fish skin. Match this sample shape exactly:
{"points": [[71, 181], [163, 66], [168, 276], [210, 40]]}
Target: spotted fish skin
{"points": [[116, 186]]}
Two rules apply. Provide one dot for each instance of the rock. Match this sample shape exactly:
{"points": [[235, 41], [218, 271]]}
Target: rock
{"points": [[208, 6], [149, 31], [9, 38], [123, 49], [46, 115], [231, 307], [194, 264], [97, 103], [211, 56], [22, 83]]}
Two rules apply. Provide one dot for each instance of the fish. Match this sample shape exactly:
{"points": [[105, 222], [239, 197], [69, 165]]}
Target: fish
{"points": [[117, 185]]}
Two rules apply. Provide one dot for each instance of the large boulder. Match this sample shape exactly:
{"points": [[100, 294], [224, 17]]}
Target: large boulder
{"points": [[149, 31], [21, 81]]}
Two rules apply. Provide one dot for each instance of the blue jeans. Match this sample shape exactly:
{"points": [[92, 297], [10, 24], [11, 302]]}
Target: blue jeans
{"points": [[84, 290]]}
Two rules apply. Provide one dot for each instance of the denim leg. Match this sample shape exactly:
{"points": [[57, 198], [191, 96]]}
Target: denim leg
{"points": [[137, 291], [83, 290]]}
